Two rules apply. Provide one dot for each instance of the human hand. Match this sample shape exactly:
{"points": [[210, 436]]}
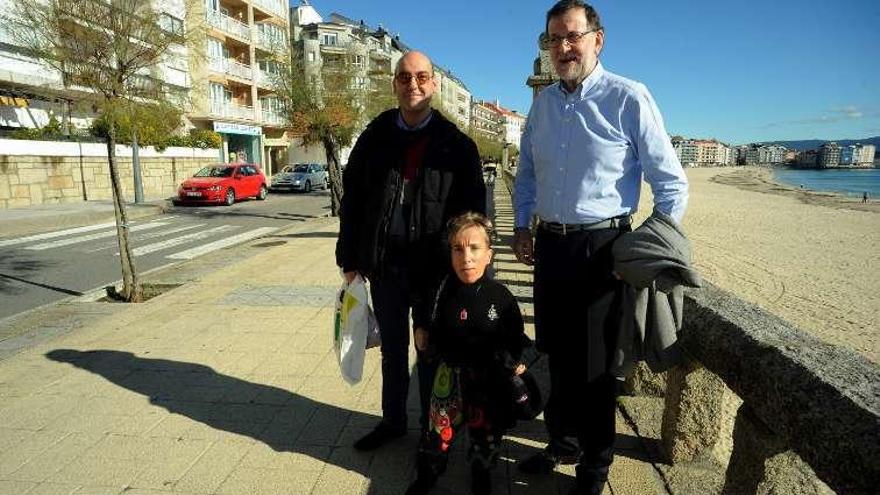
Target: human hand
{"points": [[420, 336], [520, 369], [349, 276], [522, 246]]}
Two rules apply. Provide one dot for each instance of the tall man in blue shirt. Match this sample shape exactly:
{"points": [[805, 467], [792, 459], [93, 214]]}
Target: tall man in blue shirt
{"points": [[589, 140]]}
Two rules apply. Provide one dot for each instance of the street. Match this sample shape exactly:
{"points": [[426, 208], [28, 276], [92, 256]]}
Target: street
{"points": [[42, 268]]}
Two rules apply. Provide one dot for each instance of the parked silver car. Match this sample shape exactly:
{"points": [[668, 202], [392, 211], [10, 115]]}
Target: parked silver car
{"points": [[301, 177]]}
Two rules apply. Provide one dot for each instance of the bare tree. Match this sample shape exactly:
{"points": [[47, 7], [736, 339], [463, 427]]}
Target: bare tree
{"points": [[331, 105], [112, 51]]}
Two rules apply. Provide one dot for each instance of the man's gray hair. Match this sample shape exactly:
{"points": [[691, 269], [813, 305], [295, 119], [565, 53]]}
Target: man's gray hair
{"points": [[563, 6]]}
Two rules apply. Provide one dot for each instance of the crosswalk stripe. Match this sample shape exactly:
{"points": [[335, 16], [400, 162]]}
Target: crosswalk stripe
{"points": [[158, 246], [213, 246], [92, 237], [60, 233], [143, 237]]}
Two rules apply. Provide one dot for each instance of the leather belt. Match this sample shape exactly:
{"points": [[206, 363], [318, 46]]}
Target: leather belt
{"points": [[567, 228]]}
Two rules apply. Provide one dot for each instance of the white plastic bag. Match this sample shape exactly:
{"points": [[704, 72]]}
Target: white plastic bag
{"points": [[354, 328]]}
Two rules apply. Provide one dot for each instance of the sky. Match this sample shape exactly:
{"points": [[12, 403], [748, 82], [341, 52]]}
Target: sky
{"points": [[739, 72]]}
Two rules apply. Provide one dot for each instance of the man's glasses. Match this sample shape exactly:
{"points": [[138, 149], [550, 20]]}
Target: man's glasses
{"points": [[405, 77], [554, 41]]}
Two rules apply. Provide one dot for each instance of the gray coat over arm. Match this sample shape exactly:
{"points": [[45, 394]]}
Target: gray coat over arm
{"points": [[654, 260]]}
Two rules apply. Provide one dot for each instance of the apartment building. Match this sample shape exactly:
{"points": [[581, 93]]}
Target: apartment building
{"points": [[32, 92], [453, 97], [703, 152], [512, 123], [241, 46], [324, 46], [866, 155], [828, 155], [486, 121]]}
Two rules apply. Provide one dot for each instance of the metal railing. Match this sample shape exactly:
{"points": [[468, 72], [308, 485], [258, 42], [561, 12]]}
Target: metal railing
{"points": [[274, 118], [270, 6], [239, 70], [264, 79], [231, 68], [232, 110], [269, 42], [229, 25]]}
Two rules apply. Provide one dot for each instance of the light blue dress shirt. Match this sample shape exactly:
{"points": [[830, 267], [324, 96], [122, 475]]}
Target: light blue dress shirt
{"points": [[584, 153]]}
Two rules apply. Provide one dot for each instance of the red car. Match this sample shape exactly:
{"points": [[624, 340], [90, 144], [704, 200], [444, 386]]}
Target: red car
{"points": [[224, 184]]}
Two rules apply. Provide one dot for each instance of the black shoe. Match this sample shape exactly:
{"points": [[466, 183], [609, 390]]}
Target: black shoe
{"points": [[589, 488], [544, 462], [382, 434], [421, 486], [481, 480]]}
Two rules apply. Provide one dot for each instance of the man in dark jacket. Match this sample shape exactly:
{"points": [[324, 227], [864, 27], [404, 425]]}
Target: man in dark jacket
{"points": [[410, 171]]}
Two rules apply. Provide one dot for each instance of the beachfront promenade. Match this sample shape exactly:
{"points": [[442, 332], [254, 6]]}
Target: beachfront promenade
{"points": [[227, 384]]}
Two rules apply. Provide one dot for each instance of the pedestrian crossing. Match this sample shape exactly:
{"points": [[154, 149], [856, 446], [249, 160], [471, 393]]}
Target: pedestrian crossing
{"points": [[171, 237]]}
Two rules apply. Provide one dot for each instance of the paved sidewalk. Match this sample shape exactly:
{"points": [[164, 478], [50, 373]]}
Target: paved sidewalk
{"points": [[228, 385]]}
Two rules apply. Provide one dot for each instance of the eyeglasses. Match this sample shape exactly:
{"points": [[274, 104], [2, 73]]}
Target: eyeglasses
{"points": [[405, 77], [548, 41]]}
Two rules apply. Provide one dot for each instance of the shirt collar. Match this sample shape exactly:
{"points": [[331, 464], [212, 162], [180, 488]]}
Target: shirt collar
{"points": [[403, 125], [586, 85]]}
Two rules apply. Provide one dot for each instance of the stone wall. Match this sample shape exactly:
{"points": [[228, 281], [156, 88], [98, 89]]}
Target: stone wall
{"points": [[43, 172], [778, 410]]}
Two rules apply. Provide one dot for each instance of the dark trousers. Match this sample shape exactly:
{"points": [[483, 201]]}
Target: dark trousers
{"points": [[391, 304], [577, 316]]}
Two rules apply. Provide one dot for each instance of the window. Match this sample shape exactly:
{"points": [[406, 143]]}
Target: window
{"points": [[329, 39], [216, 50], [171, 24], [311, 56]]}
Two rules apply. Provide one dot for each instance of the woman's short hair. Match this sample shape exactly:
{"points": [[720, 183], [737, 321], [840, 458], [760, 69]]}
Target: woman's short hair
{"points": [[466, 221]]}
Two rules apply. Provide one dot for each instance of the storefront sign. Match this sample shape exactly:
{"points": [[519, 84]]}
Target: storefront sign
{"points": [[233, 128]]}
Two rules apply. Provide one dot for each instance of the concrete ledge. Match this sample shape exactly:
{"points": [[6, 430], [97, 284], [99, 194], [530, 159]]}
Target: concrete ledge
{"points": [[823, 401]]}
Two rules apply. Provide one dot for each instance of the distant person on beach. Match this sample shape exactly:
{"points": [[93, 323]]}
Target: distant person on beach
{"points": [[588, 141], [865, 197]]}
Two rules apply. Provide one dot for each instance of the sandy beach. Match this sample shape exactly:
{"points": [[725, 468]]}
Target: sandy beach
{"points": [[811, 258]]}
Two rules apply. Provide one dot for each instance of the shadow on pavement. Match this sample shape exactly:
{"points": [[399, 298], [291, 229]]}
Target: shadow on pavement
{"points": [[284, 421], [15, 270]]}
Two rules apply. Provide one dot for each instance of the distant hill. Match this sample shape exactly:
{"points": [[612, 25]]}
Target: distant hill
{"points": [[811, 144]]}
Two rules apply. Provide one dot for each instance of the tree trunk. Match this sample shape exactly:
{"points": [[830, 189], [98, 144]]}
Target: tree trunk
{"points": [[335, 171], [131, 288]]}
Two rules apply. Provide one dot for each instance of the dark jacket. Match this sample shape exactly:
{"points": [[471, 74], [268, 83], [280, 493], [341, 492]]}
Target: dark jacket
{"points": [[479, 328], [449, 182]]}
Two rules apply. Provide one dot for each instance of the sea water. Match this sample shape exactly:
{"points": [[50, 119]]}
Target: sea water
{"points": [[851, 182]]}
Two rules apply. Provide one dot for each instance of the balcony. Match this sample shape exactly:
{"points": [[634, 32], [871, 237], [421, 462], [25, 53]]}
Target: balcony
{"points": [[229, 25], [239, 70], [269, 42], [232, 68], [232, 110], [334, 45], [265, 79], [272, 7], [272, 118]]}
